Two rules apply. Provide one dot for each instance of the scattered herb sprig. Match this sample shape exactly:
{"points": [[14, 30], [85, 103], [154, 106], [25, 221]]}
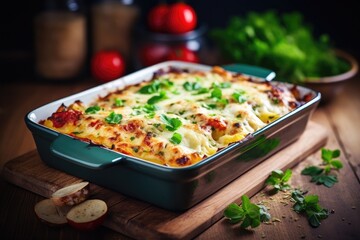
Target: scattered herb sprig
{"points": [[322, 174], [278, 179], [309, 205], [251, 215]]}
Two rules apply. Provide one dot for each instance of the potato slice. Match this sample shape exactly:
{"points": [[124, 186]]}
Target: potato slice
{"points": [[71, 195], [87, 215], [46, 211]]}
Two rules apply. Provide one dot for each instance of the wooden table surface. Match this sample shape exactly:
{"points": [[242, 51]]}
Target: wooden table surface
{"points": [[340, 117]]}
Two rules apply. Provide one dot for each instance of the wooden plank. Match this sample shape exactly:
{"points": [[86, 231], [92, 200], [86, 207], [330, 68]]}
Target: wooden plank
{"points": [[143, 221], [342, 114]]}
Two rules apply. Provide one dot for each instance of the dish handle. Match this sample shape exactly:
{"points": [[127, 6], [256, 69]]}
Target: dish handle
{"points": [[83, 153], [256, 71]]}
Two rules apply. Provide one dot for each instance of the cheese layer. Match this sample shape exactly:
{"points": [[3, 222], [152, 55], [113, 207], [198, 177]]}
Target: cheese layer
{"points": [[179, 117]]}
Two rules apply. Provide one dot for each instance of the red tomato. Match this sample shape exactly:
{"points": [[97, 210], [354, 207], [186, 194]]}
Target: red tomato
{"points": [[153, 53], [107, 65], [157, 18], [183, 54], [181, 18]]}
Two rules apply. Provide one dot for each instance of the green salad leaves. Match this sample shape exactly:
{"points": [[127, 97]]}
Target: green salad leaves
{"points": [[281, 42]]}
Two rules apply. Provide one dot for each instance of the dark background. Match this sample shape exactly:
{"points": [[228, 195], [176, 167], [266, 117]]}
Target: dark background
{"points": [[339, 19]]}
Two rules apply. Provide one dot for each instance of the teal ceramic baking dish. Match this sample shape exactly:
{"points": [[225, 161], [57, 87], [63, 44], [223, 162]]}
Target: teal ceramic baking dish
{"points": [[174, 189]]}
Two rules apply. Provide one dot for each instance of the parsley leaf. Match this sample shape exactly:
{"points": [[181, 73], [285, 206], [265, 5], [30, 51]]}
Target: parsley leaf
{"points": [[312, 171], [248, 213], [238, 96], [113, 118], [326, 180], [171, 124], [278, 179], [151, 88], [216, 93], [176, 138], [188, 86], [157, 98], [202, 91], [119, 102], [309, 205], [328, 156], [321, 175], [92, 110], [209, 106], [221, 85], [155, 86]]}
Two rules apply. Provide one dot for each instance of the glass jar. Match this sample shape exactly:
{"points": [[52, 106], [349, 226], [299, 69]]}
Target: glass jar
{"points": [[112, 25], [154, 48], [60, 40]]}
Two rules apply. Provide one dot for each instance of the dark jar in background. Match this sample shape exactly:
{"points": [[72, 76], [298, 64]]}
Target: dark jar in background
{"points": [[60, 40], [152, 48], [112, 24]]}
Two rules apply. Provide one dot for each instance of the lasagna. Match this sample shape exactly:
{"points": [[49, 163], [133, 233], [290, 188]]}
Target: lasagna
{"points": [[179, 117]]}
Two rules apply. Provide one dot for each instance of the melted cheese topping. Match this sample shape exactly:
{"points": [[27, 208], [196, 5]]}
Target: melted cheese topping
{"points": [[178, 118]]}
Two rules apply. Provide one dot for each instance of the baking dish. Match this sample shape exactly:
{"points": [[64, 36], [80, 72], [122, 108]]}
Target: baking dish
{"points": [[170, 188]]}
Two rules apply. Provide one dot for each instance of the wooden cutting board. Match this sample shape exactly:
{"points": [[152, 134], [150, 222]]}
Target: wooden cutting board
{"points": [[141, 220]]}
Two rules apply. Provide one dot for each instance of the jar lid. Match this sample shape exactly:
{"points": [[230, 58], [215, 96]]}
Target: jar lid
{"points": [[167, 37]]}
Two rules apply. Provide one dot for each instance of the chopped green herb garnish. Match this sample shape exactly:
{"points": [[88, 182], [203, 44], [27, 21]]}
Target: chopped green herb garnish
{"points": [[222, 101], [119, 102], [248, 213], [155, 86], [278, 179], [275, 101], [216, 93], [92, 110], [157, 98], [113, 118], [309, 205], [221, 85], [151, 88], [202, 91], [239, 97], [132, 138], [76, 133], [171, 124], [188, 86], [166, 83], [176, 138], [209, 106]]}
